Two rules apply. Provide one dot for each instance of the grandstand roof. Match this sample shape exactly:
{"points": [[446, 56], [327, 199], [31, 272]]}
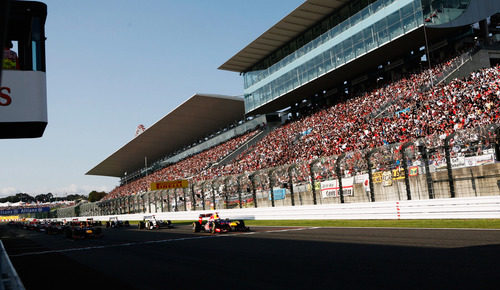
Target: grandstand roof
{"points": [[198, 116], [299, 20]]}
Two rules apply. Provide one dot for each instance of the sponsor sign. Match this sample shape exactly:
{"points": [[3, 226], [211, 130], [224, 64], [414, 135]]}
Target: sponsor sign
{"points": [[9, 218], [387, 178], [484, 159], [24, 210], [331, 188], [377, 177], [278, 193], [364, 179], [398, 173], [169, 184], [413, 171], [479, 160], [458, 162], [23, 96]]}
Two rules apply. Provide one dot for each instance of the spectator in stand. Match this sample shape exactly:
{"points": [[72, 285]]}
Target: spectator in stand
{"points": [[10, 60]]}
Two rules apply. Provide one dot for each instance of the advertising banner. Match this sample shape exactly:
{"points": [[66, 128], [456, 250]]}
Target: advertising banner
{"points": [[377, 177], [169, 184], [16, 211], [23, 96], [398, 173], [387, 178], [279, 193], [457, 162], [364, 179], [413, 171], [330, 188]]}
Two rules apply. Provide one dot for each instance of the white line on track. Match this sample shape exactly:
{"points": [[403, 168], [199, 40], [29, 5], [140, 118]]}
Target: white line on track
{"points": [[153, 242]]}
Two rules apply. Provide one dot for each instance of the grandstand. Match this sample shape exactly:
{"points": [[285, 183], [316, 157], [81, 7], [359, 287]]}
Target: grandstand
{"points": [[359, 94]]}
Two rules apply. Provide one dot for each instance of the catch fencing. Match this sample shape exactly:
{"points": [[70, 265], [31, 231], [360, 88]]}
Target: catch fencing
{"points": [[461, 165]]}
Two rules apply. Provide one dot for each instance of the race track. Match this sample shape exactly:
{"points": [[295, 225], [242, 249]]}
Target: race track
{"points": [[266, 258]]}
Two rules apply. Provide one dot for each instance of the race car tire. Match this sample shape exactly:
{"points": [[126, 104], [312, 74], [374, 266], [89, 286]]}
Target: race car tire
{"points": [[196, 227]]}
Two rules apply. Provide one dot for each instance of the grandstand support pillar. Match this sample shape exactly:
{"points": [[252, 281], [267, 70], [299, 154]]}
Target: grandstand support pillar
{"points": [[290, 182], [271, 186], [193, 197], [405, 168], [483, 30], [158, 198], [149, 201], [254, 190], [128, 204], [370, 176], [168, 202], [161, 201], [497, 144], [226, 194], [448, 164], [339, 176], [175, 200], [423, 151], [213, 196], [239, 190], [203, 195], [184, 193], [311, 172]]}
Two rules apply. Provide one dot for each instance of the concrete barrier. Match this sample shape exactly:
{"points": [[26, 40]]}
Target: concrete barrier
{"points": [[446, 208]]}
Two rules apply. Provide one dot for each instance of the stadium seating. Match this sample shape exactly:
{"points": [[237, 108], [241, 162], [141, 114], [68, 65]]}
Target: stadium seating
{"points": [[398, 112]]}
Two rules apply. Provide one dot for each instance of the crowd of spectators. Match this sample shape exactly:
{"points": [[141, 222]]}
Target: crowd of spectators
{"points": [[186, 168], [346, 126], [397, 112]]}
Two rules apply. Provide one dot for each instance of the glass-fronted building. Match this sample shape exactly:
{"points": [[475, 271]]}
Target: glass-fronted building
{"points": [[349, 32]]}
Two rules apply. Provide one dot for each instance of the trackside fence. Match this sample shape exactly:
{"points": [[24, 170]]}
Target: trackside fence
{"points": [[465, 164]]}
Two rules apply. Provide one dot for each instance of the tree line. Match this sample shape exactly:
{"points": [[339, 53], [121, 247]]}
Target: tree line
{"points": [[49, 197]]}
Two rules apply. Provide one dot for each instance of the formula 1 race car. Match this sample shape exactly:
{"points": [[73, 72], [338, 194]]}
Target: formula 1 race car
{"points": [[151, 223], [82, 230], [115, 223], [214, 224]]}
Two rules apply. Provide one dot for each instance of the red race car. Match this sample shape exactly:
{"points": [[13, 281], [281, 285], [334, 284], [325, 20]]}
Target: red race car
{"points": [[212, 223]]}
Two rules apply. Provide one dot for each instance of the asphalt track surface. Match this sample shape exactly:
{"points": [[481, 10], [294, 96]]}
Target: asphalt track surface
{"points": [[265, 258]]}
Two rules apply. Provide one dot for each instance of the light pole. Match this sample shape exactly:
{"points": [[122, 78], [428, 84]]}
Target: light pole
{"points": [[428, 55]]}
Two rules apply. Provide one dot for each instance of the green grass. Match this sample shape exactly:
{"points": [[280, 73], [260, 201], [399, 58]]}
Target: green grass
{"points": [[446, 223]]}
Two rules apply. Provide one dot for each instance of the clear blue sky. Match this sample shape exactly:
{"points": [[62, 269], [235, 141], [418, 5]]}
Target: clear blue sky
{"points": [[115, 64]]}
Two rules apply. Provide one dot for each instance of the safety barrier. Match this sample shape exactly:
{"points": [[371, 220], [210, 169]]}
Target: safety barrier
{"points": [[9, 278], [446, 208]]}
